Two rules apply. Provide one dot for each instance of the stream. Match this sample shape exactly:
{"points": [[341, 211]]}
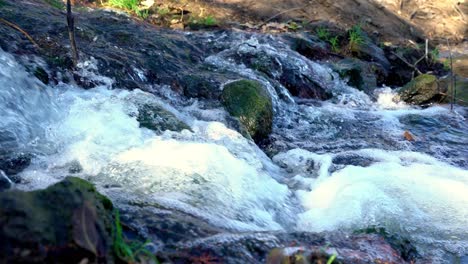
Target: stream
{"points": [[339, 164]]}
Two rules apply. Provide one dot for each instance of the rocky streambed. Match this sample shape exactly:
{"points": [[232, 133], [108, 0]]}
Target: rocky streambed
{"points": [[223, 146]]}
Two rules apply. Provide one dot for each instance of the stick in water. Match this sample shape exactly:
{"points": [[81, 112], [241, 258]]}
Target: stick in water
{"points": [[71, 33], [452, 77]]}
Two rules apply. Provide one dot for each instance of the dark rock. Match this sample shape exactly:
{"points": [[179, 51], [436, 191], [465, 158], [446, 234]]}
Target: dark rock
{"points": [[424, 89], [352, 159], [248, 101], [5, 182], [289, 248], [65, 223], [158, 119], [308, 45], [367, 50], [42, 75], [13, 164], [404, 247], [359, 74]]}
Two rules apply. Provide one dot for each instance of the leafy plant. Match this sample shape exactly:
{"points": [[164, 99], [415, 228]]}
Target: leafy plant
{"points": [[293, 26], [331, 259], [163, 11], [334, 44], [131, 5], [322, 33], [55, 3], [209, 21], [129, 252], [356, 38]]}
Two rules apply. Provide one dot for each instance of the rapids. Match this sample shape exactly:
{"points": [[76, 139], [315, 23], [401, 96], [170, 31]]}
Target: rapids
{"points": [[341, 164]]}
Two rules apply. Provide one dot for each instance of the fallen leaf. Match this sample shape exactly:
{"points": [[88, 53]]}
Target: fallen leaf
{"points": [[85, 233], [408, 136]]}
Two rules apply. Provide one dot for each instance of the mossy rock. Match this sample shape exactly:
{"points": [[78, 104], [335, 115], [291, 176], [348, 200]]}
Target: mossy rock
{"points": [[250, 103], [422, 90], [158, 119], [359, 74], [65, 223]]}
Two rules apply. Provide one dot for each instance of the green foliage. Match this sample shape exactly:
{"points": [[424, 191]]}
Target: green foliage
{"points": [[130, 5], [293, 26], [142, 13], [209, 21], [162, 11], [322, 33], [356, 38], [55, 3], [446, 64], [331, 259], [129, 252], [334, 44]]}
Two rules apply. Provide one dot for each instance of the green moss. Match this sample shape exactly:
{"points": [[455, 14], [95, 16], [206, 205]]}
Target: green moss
{"points": [[55, 3], [248, 101]]}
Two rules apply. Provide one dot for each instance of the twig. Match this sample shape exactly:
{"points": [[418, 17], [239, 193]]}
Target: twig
{"points": [[282, 13], [454, 93], [409, 64], [20, 30], [71, 33]]}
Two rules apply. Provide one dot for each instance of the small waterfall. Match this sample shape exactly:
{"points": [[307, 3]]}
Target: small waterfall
{"points": [[339, 164]]}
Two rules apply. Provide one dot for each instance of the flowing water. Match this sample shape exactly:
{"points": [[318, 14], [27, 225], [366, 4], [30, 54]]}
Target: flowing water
{"points": [[341, 164]]}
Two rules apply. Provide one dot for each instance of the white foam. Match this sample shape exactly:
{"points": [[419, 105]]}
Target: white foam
{"points": [[407, 192]]}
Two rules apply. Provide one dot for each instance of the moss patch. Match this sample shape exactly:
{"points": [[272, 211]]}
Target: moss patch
{"points": [[248, 101]]}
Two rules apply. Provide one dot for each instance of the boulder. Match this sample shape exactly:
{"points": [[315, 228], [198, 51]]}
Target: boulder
{"points": [[359, 74], [65, 223], [250, 103], [424, 89], [367, 50], [5, 182], [13, 163], [158, 119]]}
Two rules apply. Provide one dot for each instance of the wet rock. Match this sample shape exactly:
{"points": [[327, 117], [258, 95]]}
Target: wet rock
{"points": [[359, 74], [277, 247], [248, 101], [42, 75], [67, 222], [424, 89], [308, 45], [156, 118], [352, 159], [367, 50], [5, 182], [12, 164]]}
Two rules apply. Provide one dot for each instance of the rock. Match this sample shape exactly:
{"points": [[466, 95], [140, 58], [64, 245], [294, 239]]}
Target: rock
{"points": [[5, 182], [65, 223], [156, 118], [359, 74], [42, 75], [368, 51], [300, 247], [248, 101], [12, 164], [461, 91], [308, 45], [422, 90]]}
